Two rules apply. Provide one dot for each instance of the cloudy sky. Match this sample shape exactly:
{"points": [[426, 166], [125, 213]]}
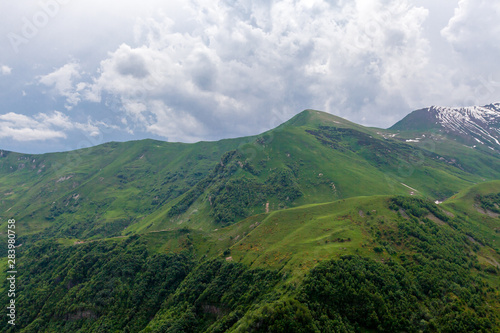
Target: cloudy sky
{"points": [[79, 73]]}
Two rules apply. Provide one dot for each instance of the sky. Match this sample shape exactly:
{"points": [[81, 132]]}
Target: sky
{"points": [[75, 74]]}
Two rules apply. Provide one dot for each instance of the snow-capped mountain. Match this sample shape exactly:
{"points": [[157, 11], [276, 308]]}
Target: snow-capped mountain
{"points": [[475, 125]]}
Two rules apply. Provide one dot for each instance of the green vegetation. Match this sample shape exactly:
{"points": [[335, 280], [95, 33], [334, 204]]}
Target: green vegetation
{"points": [[121, 188], [319, 225], [395, 297], [401, 264], [93, 287], [490, 202]]}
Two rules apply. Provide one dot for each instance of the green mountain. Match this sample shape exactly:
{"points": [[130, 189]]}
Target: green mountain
{"points": [[123, 188], [319, 225]]}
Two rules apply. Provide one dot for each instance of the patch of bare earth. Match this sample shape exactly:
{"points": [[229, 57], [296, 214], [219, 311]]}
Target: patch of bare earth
{"points": [[492, 261], [449, 214], [473, 240], [435, 219], [486, 212]]}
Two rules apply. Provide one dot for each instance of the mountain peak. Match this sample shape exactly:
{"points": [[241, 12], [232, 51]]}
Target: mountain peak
{"points": [[485, 113], [314, 118], [474, 124]]}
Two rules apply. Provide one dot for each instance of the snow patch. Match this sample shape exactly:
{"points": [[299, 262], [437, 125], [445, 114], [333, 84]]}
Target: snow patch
{"points": [[480, 121]]}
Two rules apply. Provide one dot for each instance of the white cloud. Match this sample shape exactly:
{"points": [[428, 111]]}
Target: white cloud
{"points": [[59, 119], [221, 74], [23, 128], [174, 126], [475, 26], [202, 69], [62, 82], [5, 70], [474, 34], [42, 126]]}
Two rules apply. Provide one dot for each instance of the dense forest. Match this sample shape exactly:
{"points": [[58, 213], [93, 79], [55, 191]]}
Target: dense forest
{"points": [[431, 282]]}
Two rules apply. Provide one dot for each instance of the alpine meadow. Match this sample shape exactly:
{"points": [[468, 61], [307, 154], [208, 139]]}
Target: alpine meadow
{"points": [[318, 225]]}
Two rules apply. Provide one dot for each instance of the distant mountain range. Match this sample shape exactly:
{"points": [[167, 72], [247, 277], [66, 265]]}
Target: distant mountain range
{"points": [[319, 223]]}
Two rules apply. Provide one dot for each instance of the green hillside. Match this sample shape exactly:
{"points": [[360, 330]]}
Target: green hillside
{"points": [[313, 158], [123, 188], [318, 225], [368, 263], [99, 191]]}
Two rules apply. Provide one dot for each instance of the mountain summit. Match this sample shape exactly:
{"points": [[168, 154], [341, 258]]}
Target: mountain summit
{"points": [[472, 125]]}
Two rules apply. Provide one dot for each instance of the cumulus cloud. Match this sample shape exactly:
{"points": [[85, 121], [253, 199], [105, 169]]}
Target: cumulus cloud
{"points": [[23, 128], [174, 125], [42, 126], [5, 70], [214, 69], [474, 34], [239, 67], [475, 27], [62, 81]]}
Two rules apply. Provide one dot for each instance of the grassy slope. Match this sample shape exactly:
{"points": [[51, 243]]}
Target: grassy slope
{"points": [[104, 187], [293, 241], [123, 188], [466, 203], [296, 239], [327, 165], [478, 160], [480, 221]]}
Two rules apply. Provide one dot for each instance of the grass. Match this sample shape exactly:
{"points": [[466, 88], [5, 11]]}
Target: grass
{"points": [[3, 273], [486, 227], [297, 239], [126, 188]]}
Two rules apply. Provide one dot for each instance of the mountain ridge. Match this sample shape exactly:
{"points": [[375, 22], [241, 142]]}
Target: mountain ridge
{"points": [[433, 117], [472, 125], [121, 188], [317, 225]]}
